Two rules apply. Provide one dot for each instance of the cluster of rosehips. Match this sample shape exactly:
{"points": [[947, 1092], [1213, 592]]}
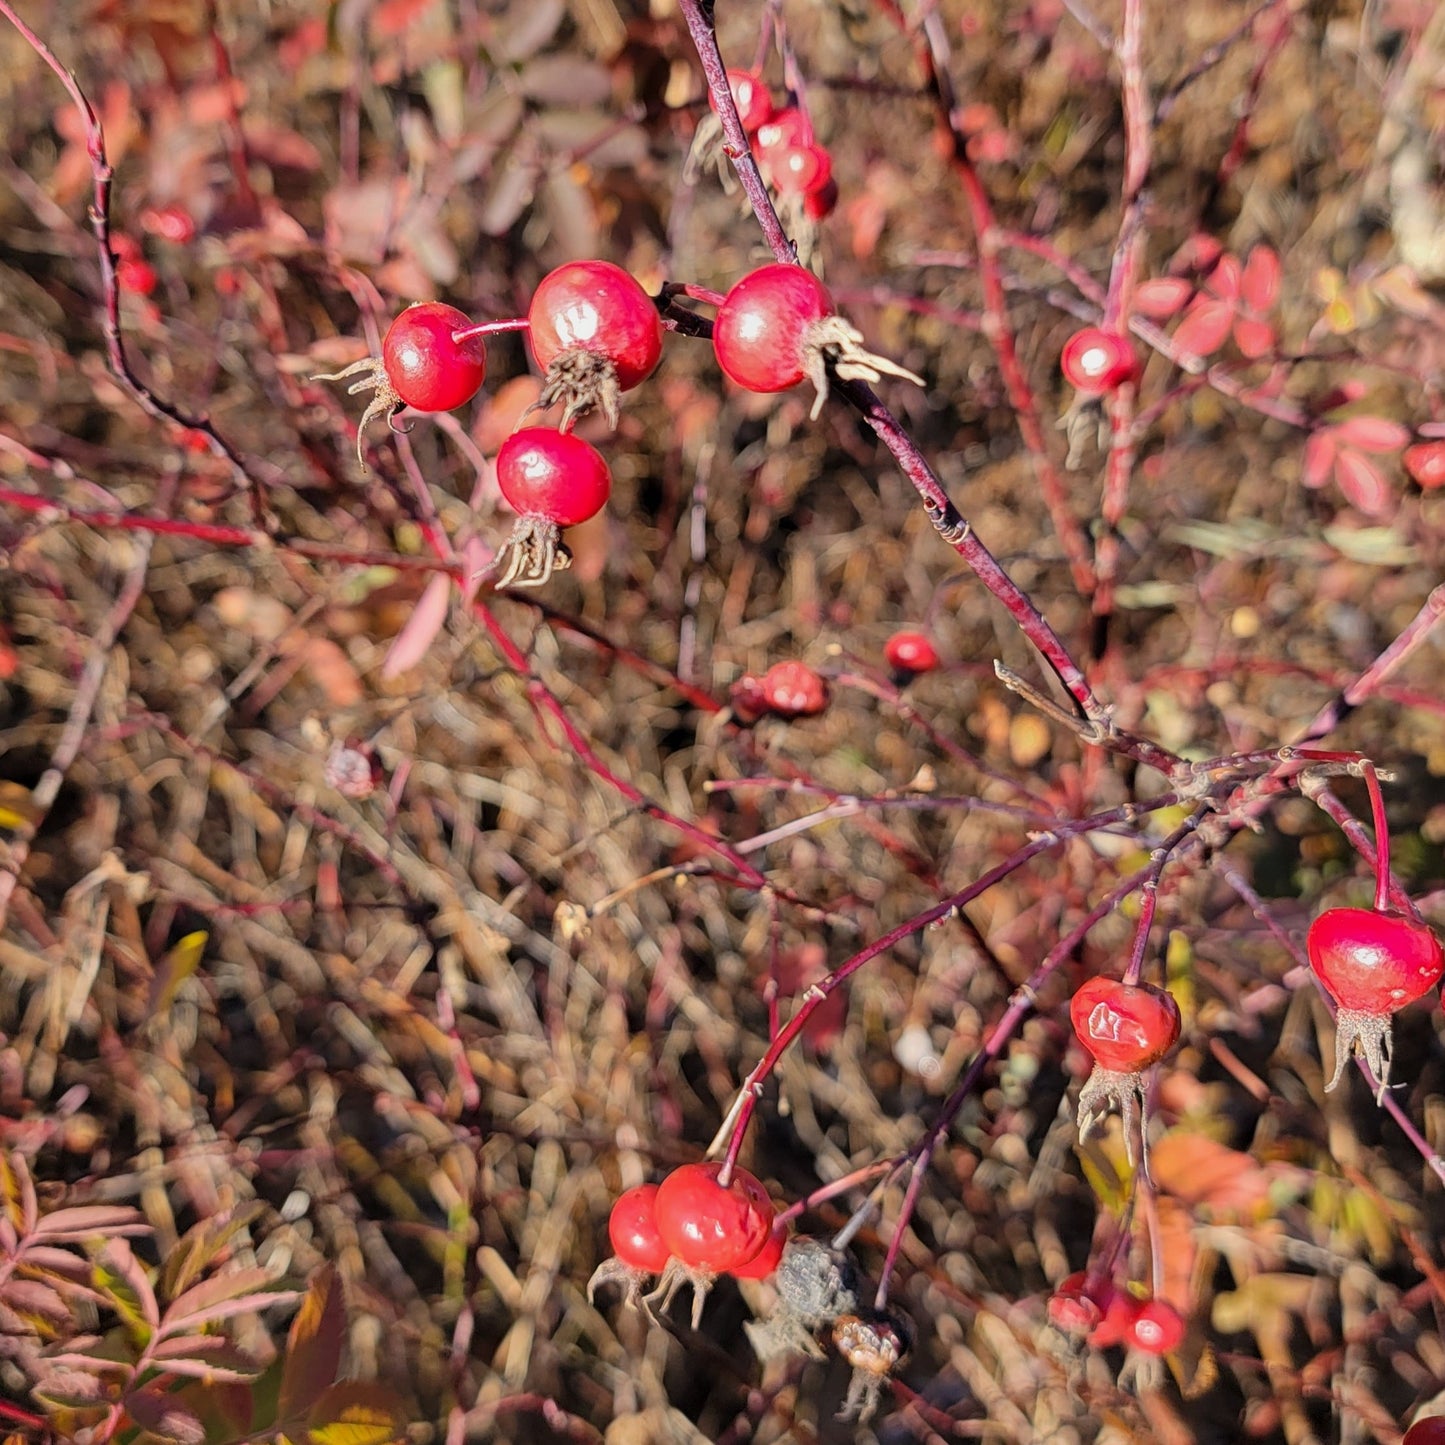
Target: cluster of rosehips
{"points": [[1109, 1315], [596, 334], [692, 1228], [788, 154]]}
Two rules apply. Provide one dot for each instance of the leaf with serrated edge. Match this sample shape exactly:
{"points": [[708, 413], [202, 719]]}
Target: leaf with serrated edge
{"points": [[120, 1274], [313, 1346], [84, 1221], [200, 1246], [353, 1413], [195, 1305], [229, 1309]]}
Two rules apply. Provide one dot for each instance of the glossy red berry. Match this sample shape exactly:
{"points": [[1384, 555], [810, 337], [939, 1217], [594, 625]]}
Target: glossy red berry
{"points": [[793, 689], [632, 1228], [1157, 1328], [1372, 962], [750, 95], [1095, 361], [136, 276], [1126, 1027], [1429, 1431], [747, 698], [552, 479], [1072, 1307], [819, 204], [910, 652], [766, 1260], [778, 325], [1119, 1308], [710, 1227], [799, 170], [421, 365], [788, 126], [426, 368], [1425, 462], [595, 333]]}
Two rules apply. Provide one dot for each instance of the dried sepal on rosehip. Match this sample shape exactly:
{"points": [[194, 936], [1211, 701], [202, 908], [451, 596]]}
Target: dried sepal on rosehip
{"points": [[638, 1251], [595, 333], [709, 1228], [814, 1285], [873, 1342], [422, 365], [1372, 962], [779, 324], [1126, 1028], [551, 479]]}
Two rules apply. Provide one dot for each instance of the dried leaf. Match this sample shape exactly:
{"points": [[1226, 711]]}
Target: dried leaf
{"points": [[201, 1246], [18, 1193]]}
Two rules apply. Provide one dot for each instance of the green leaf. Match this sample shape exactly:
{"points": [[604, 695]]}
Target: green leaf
{"points": [[121, 1277], [313, 1346]]}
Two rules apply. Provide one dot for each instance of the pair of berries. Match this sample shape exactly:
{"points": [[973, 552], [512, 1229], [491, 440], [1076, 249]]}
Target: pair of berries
{"points": [[1112, 1316], [1372, 962], [779, 324], [789, 156], [786, 689], [1126, 1028], [689, 1229]]}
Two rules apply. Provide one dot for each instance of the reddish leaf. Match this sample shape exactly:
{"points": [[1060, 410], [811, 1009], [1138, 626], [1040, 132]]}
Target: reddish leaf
{"points": [[164, 1417], [1224, 280], [205, 1357], [1205, 327], [313, 1346], [427, 618], [1425, 461], [30, 1297], [1362, 483], [1319, 459], [1162, 297], [1372, 434], [354, 1414], [86, 1221], [1198, 253], [1259, 285], [1253, 337]]}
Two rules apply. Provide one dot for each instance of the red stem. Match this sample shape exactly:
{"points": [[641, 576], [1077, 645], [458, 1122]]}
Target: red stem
{"points": [[492, 328], [1382, 836]]}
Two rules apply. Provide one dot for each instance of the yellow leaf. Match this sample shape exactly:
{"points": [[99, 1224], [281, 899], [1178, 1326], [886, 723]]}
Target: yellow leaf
{"points": [[378, 1431], [175, 968]]}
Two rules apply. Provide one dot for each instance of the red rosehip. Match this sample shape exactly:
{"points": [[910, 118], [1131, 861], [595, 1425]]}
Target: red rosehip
{"points": [[1095, 361], [818, 205], [788, 126], [632, 1228], [421, 365], [1425, 462], [799, 170], [778, 325], [910, 652], [765, 1261], [638, 1252], [1126, 1027], [136, 276], [793, 689], [1429, 1431], [552, 479], [1119, 1311], [708, 1226], [1372, 963], [1157, 1328], [170, 223], [750, 95], [1072, 1307], [595, 333]]}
